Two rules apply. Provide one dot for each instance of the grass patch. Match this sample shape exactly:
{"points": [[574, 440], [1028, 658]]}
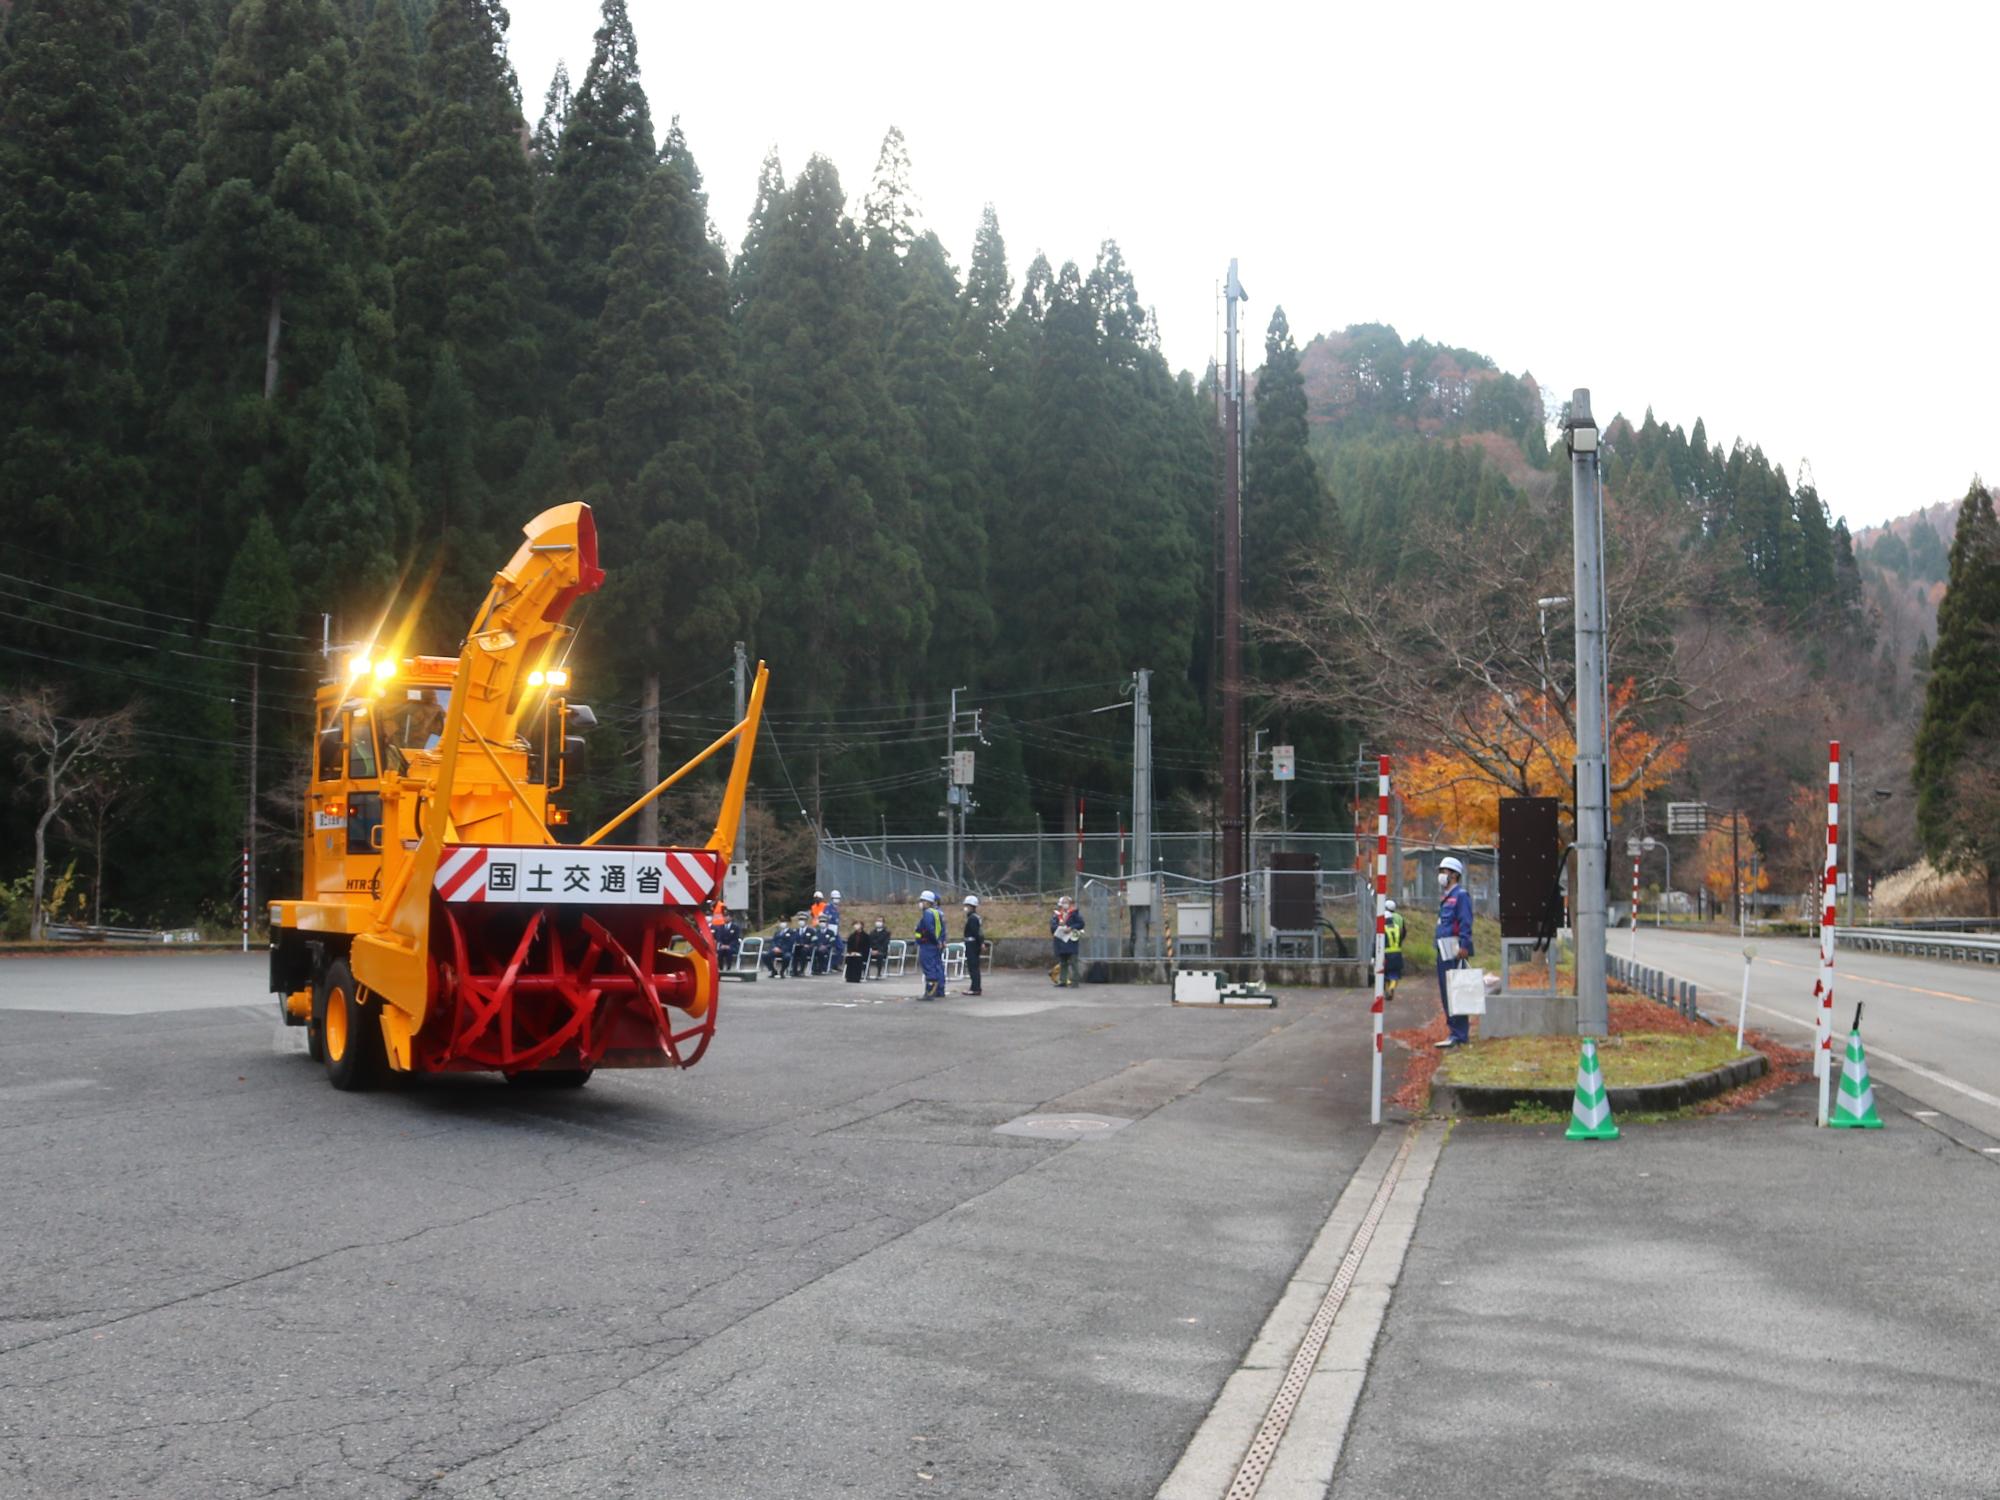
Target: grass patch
{"points": [[1549, 1062], [1528, 1112]]}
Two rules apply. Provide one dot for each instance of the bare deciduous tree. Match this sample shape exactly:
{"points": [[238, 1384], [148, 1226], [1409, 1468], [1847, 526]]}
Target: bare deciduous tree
{"points": [[61, 756], [1459, 662], [101, 800]]}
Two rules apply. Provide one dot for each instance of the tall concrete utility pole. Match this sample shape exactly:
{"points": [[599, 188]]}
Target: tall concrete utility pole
{"points": [[1593, 1014], [953, 794], [1232, 627], [1142, 807]]}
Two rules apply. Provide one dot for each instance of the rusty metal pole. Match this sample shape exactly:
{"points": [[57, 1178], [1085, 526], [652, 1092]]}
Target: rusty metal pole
{"points": [[1232, 629]]}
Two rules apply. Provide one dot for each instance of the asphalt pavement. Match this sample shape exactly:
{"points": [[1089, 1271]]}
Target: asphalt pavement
{"points": [[1745, 1306], [1932, 1026], [811, 1266]]}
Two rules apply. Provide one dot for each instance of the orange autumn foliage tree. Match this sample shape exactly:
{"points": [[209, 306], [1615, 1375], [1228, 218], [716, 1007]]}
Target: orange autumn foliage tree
{"points": [[1712, 859], [1454, 795]]}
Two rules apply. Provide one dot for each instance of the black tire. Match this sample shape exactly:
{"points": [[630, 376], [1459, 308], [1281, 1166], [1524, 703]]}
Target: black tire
{"points": [[350, 1031], [551, 1078]]}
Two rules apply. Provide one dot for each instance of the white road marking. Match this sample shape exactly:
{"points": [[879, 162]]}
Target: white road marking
{"points": [[1901, 1062]]}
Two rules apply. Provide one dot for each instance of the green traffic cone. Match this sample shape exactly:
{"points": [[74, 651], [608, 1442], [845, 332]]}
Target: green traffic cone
{"points": [[1590, 1117], [1854, 1109]]}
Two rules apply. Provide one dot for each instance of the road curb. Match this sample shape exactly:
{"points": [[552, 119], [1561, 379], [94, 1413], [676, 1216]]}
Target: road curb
{"points": [[1643, 1098]]}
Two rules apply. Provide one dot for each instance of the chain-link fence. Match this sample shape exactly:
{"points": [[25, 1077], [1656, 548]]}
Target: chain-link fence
{"points": [[1185, 904], [1042, 866]]}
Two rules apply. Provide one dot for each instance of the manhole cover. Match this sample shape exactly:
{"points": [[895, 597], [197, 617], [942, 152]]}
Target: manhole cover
{"points": [[1063, 1127]]}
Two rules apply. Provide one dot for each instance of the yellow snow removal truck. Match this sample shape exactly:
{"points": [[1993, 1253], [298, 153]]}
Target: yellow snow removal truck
{"points": [[443, 928]]}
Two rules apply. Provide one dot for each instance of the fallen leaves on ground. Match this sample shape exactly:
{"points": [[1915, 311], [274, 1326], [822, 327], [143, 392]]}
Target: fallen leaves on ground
{"points": [[1630, 1014]]}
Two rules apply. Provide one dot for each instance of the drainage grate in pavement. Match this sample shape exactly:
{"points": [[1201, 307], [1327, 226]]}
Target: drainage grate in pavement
{"points": [[1069, 1126]]}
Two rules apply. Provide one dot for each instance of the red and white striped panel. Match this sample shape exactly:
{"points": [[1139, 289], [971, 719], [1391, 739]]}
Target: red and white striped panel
{"points": [[567, 875]]}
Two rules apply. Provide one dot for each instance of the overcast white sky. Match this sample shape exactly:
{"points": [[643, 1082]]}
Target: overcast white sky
{"points": [[1777, 217]]}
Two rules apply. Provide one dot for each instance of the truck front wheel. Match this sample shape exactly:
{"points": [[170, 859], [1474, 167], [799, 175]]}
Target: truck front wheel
{"points": [[350, 1033]]}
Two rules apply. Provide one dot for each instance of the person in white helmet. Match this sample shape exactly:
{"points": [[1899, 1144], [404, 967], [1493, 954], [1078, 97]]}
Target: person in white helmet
{"points": [[930, 946], [1454, 937], [1392, 949], [831, 916], [1065, 931], [974, 935]]}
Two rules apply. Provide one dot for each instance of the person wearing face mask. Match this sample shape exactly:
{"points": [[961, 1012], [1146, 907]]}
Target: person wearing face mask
{"points": [[1454, 944]]}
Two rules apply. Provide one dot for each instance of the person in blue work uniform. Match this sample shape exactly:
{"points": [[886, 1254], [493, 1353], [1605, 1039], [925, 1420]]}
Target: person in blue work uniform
{"points": [[831, 916], [728, 942], [1454, 936], [778, 957], [930, 946], [802, 945], [822, 948]]}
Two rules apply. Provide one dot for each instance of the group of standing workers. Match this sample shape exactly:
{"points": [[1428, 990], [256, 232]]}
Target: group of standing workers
{"points": [[812, 944], [931, 940]]}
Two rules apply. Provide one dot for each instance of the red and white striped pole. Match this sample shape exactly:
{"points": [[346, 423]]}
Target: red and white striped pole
{"points": [[1381, 930], [1635, 906], [246, 898], [1079, 849], [1824, 1035]]}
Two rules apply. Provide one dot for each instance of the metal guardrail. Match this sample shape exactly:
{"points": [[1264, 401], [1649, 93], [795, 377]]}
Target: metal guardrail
{"points": [[1654, 984], [70, 933], [1921, 943], [1938, 924]]}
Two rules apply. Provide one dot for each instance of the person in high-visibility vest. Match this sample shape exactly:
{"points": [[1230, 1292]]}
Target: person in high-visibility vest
{"points": [[930, 946], [1392, 949]]}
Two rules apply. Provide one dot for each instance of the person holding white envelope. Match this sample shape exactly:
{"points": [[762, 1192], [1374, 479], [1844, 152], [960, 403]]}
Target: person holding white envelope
{"points": [[1454, 943]]}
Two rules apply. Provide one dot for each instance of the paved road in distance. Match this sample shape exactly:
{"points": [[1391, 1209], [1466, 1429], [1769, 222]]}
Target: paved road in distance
{"points": [[1932, 1027]]}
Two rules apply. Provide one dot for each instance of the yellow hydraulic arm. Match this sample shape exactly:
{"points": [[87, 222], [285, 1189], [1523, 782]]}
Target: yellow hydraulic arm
{"points": [[519, 631]]}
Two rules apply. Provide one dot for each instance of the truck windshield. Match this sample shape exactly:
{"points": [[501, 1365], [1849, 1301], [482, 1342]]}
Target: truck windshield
{"points": [[415, 721], [360, 746]]}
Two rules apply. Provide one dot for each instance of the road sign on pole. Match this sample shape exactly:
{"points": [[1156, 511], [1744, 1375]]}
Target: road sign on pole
{"points": [[961, 767], [1687, 817], [1284, 765]]}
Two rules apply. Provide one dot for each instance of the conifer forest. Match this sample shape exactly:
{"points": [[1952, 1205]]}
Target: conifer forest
{"points": [[306, 305]]}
